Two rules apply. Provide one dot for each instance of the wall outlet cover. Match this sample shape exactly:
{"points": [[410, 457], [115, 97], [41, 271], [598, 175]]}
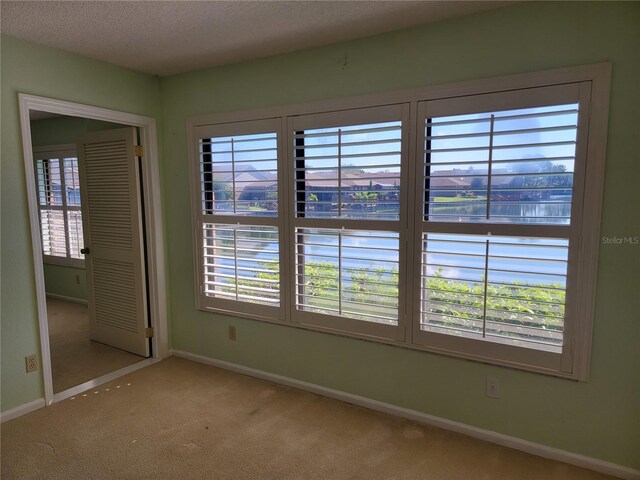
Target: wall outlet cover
{"points": [[492, 388], [31, 362]]}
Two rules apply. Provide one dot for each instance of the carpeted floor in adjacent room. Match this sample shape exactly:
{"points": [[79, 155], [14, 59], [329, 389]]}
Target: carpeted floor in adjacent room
{"points": [[182, 420]]}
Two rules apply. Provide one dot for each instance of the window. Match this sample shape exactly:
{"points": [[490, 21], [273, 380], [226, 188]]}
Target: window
{"points": [[499, 176], [58, 189], [451, 222], [348, 171], [239, 218]]}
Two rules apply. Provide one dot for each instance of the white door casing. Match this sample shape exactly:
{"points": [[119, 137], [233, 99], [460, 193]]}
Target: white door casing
{"points": [[113, 233]]}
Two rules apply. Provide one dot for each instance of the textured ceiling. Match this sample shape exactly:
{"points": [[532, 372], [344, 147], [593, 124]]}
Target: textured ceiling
{"points": [[170, 37]]}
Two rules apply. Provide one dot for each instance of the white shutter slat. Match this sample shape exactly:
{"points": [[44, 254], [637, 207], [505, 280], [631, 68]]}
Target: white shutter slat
{"points": [[348, 273], [238, 174], [493, 166], [348, 172], [496, 288], [241, 262]]}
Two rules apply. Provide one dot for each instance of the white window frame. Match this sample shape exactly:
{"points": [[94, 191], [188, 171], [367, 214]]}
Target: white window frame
{"points": [[578, 92], [574, 363], [59, 153], [205, 302], [397, 112]]}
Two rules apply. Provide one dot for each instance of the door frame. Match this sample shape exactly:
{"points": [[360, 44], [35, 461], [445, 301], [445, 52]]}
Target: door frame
{"points": [[153, 223]]}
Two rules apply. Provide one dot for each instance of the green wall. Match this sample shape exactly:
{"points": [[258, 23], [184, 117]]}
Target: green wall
{"points": [[65, 281], [63, 130], [599, 418], [37, 70]]}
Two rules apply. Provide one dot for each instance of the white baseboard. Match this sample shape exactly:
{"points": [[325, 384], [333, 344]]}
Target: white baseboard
{"points": [[480, 433], [21, 410], [67, 299]]}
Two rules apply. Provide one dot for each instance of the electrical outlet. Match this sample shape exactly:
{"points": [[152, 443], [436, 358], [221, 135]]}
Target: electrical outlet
{"points": [[31, 362], [492, 388], [232, 332]]}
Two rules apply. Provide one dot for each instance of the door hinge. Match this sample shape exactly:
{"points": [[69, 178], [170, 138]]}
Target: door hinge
{"points": [[149, 332], [139, 151]]}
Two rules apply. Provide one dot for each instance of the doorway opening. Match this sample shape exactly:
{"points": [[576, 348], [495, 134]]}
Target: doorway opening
{"points": [[74, 201]]}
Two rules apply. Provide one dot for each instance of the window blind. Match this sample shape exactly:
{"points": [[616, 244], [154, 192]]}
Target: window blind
{"points": [[505, 166], [239, 217], [350, 273], [498, 288], [58, 189], [350, 171]]}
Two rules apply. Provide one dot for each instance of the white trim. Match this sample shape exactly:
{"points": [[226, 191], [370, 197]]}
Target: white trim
{"points": [[509, 441], [21, 410], [153, 216], [83, 387], [67, 299]]}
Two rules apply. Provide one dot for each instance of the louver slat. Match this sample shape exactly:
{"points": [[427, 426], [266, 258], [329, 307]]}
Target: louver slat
{"points": [[502, 289], [349, 172], [238, 175], [109, 205], [348, 273], [513, 166], [241, 263]]}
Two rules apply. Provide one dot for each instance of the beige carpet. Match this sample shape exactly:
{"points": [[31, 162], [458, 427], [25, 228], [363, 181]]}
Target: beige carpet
{"points": [[76, 359], [182, 420]]}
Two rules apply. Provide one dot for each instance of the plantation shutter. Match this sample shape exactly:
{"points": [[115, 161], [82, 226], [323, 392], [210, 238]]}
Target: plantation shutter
{"points": [[498, 177], [349, 177], [58, 191], [239, 219]]}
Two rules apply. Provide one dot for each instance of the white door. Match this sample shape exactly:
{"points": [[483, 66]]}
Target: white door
{"points": [[113, 236]]}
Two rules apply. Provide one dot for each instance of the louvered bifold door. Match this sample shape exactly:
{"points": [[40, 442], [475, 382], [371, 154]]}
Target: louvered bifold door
{"points": [[111, 207]]}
